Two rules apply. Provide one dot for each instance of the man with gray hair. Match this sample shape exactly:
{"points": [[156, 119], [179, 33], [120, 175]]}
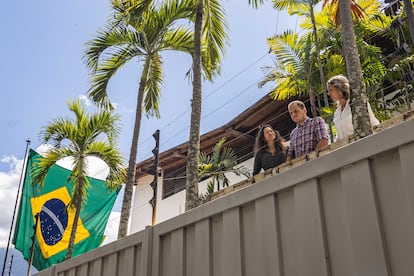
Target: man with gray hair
{"points": [[310, 133]]}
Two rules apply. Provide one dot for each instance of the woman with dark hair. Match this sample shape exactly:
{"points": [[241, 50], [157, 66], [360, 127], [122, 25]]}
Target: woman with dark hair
{"points": [[270, 149]]}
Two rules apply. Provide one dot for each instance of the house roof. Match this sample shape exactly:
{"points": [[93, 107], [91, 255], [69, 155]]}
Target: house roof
{"points": [[239, 133]]}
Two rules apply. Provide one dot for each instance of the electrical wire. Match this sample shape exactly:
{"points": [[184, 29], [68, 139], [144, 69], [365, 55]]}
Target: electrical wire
{"points": [[206, 97]]}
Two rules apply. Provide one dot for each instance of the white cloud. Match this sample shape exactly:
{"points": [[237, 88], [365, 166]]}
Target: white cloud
{"points": [[13, 163], [9, 182], [4, 234], [43, 148], [128, 109], [85, 100]]}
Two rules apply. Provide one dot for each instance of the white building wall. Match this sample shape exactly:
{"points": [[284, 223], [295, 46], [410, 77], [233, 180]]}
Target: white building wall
{"points": [[169, 207], [141, 213]]}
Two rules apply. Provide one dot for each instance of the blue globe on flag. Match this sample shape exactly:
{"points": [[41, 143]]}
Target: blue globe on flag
{"points": [[53, 221]]}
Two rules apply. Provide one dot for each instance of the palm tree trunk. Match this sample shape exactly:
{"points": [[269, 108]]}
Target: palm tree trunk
{"points": [[312, 101], [75, 220], [191, 185], [318, 55], [320, 65], [311, 94], [126, 202], [408, 6], [360, 117]]}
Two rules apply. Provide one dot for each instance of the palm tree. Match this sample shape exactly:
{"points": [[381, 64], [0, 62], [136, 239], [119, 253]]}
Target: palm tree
{"points": [[191, 185], [374, 23], [360, 117], [145, 37], [295, 65], [87, 135], [306, 7], [223, 159], [209, 38]]}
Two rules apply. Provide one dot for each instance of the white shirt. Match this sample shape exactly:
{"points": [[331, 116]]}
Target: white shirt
{"points": [[343, 121]]}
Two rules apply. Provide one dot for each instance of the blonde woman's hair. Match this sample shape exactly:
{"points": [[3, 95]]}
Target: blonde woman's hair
{"points": [[341, 83]]}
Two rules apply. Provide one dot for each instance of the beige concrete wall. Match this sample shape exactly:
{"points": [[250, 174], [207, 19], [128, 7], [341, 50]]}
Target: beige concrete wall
{"points": [[348, 212]]}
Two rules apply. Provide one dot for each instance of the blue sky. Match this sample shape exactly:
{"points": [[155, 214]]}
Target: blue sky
{"points": [[42, 68]]}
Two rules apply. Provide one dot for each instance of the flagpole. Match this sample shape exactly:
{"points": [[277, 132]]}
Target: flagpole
{"points": [[15, 205], [33, 244], [11, 264]]}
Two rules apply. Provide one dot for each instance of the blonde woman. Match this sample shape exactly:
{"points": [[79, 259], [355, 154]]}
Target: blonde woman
{"points": [[339, 91]]}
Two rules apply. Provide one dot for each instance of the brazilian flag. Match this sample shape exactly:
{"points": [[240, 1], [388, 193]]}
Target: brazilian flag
{"points": [[55, 220]]}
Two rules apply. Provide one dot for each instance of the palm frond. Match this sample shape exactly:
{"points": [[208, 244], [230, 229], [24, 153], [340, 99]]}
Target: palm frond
{"points": [[112, 157], [152, 88], [57, 131], [282, 5], [255, 3], [130, 10], [221, 160], [286, 50], [42, 165], [214, 37], [180, 39], [108, 41], [358, 12], [106, 70]]}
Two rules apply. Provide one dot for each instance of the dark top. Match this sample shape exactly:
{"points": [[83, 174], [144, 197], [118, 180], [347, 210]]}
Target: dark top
{"points": [[265, 160]]}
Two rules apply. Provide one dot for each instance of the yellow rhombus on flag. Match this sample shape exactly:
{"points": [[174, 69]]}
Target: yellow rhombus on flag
{"points": [[49, 245]]}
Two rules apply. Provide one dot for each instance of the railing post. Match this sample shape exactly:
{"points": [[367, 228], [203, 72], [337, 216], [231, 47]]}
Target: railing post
{"points": [[146, 266]]}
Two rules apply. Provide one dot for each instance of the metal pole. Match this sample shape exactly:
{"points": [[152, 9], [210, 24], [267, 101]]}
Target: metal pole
{"points": [[154, 206], [11, 264], [154, 183], [33, 244], [15, 205]]}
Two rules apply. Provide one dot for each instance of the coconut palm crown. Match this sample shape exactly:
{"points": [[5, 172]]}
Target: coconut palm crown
{"points": [[85, 136], [222, 160]]}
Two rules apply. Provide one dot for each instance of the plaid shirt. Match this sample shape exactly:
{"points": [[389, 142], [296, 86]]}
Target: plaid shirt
{"points": [[304, 138]]}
